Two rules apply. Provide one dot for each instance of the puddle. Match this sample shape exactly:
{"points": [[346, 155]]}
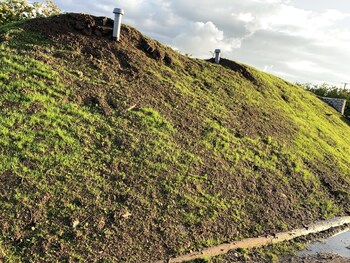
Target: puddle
{"points": [[338, 244]]}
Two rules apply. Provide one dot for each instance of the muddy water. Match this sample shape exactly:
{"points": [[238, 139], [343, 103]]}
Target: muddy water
{"points": [[338, 244]]}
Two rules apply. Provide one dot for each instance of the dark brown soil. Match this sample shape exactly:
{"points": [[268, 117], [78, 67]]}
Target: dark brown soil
{"points": [[236, 68], [82, 32]]}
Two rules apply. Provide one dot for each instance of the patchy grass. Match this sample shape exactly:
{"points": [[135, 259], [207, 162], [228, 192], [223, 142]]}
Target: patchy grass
{"points": [[119, 154]]}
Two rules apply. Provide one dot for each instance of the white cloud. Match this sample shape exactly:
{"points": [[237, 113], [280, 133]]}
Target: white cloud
{"points": [[244, 17], [304, 65], [199, 39]]}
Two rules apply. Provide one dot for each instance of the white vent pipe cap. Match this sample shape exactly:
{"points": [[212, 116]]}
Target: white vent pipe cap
{"points": [[118, 11]]}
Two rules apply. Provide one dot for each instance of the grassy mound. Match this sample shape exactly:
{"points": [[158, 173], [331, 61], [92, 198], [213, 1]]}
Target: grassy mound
{"points": [[131, 152]]}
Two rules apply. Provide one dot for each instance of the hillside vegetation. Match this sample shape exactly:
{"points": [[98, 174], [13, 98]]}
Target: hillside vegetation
{"points": [[131, 152]]}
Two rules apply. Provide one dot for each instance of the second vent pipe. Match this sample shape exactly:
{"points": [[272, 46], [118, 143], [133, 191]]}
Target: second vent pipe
{"points": [[217, 56]]}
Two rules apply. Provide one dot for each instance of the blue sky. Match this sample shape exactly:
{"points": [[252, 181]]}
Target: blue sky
{"points": [[299, 40]]}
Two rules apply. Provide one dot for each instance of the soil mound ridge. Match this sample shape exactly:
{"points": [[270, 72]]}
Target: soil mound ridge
{"points": [[75, 29]]}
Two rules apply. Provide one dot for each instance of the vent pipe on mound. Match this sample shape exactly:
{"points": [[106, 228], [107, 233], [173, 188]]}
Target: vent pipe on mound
{"points": [[217, 56], [118, 13]]}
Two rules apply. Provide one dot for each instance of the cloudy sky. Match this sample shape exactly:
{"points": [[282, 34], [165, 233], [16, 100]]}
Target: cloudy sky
{"points": [[299, 40]]}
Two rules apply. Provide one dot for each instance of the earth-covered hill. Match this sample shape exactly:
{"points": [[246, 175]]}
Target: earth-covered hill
{"points": [[132, 152]]}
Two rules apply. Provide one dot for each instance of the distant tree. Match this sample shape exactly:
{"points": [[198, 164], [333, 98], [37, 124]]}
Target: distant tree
{"points": [[17, 10]]}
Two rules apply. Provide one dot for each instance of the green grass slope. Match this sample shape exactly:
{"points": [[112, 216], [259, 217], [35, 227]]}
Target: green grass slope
{"points": [[131, 152]]}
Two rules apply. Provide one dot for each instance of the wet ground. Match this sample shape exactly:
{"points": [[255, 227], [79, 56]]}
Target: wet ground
{"points": [[320, 258], [334, 249], [338, 244]]}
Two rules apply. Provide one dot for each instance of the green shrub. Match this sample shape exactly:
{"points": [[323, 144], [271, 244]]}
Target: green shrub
{"points": [[17, 10]]}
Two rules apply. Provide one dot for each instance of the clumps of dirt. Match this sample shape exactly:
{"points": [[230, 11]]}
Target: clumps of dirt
{"points": [[151, 48], [236, 68], [93, 36], [35, 107], [96, 98], [73, 24]]}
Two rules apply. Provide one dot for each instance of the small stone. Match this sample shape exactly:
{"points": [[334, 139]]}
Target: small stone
{"points": [[75, 223], [126, 215], [101, 223], [79, 73]]}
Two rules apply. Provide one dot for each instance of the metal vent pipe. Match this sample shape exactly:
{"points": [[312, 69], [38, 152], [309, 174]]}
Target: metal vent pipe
{"points": [[118, 13], [217, 56]]}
